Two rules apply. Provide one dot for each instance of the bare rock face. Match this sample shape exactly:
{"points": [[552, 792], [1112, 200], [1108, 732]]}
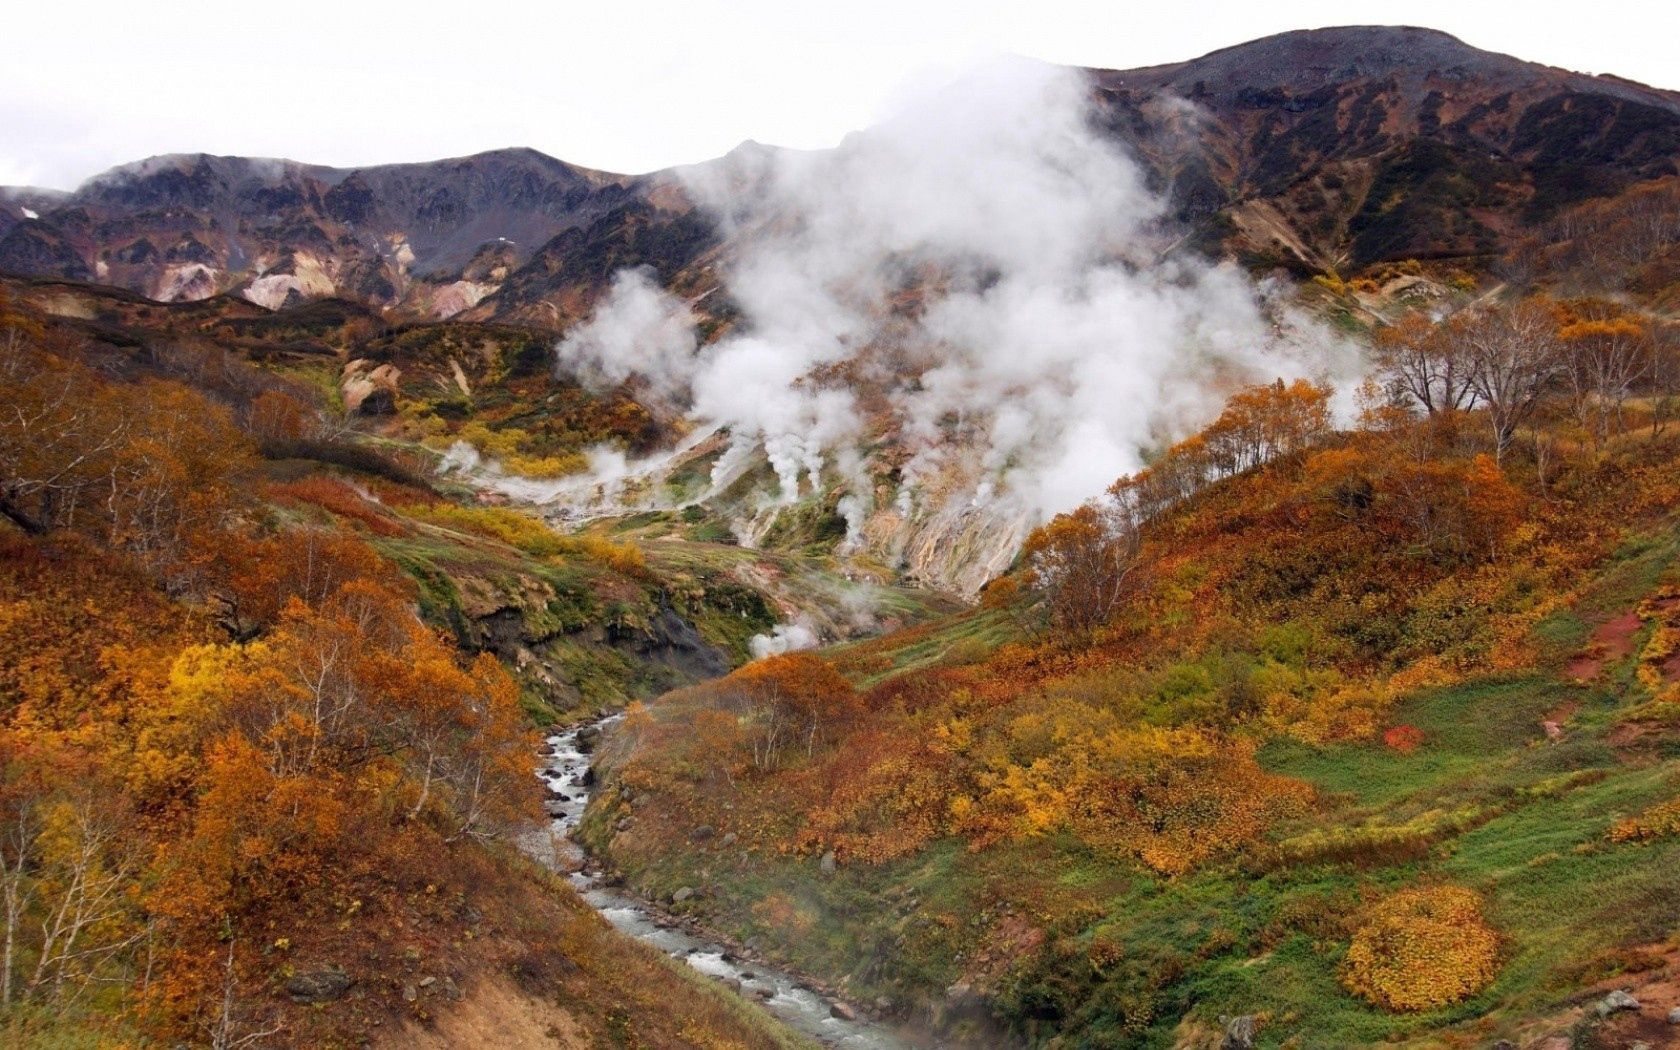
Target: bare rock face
{"points": [[370, 390], [320, 986]]}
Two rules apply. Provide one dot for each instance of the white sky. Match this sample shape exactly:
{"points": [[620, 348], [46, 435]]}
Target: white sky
{"points": [[625, 87]]}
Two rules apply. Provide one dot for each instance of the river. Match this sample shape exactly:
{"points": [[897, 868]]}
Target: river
{"points": [[565, 771]]}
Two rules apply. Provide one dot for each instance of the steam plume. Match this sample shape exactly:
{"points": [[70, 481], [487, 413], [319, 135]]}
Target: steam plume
{"points": [[981, 278]]}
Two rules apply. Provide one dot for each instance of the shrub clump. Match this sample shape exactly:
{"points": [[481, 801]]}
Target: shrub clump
{"points": [[1421, 949], [1660, 821]]}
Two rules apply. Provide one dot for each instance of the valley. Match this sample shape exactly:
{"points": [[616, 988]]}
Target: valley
{"points": [[1183, 557]]}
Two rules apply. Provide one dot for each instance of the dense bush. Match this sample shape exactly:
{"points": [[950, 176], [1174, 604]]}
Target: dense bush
{"points": [[1421, 949]]}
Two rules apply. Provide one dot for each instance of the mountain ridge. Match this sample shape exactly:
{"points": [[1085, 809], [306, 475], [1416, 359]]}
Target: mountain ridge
{"points": [[1315, 150]]}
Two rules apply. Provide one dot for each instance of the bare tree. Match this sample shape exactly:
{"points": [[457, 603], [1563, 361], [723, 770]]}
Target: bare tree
{"points": [[1606, 354], [1420, 359], [1665, 375], [227, 1028], [1514, 358]]}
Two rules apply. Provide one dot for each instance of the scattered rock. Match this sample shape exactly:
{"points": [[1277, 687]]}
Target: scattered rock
{"points": [[1554, 731], [410, 993], [729, 839], [765, 993], [702, 833], [1239, 1034], [320, 986], [842, 1012], [883, 1005], [1615, 1001], [623, 824], [453, 990], [1674, 1015], [682, 894], [427, 982], [828, 863]]}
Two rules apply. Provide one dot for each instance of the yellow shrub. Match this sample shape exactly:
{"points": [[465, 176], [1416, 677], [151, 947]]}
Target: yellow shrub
{"points": [[562, 465], [1421, 949], [529, 534], [1660, 821], [623, 558]]}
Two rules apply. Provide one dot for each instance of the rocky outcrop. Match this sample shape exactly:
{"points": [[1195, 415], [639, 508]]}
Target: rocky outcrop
{"points": [[1239, 1034], [369, 389], [319, 986]]}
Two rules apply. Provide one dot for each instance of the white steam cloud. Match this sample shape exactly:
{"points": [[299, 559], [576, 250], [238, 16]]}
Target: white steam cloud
{"points": [[980, 278], [637, 330], [784, 638]]}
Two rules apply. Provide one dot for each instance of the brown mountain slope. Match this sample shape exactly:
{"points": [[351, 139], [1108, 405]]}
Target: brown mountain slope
{"points": [[1348, 146]]}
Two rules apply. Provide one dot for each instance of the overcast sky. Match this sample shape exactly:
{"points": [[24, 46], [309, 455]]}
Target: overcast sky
{"points": [[624, 86]]}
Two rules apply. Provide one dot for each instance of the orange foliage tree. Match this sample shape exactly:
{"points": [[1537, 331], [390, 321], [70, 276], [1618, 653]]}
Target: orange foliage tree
{"points": [[792, 699]]}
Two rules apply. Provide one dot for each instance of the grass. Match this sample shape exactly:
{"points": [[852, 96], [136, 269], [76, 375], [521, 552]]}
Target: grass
{"points": [[1506, 811]]}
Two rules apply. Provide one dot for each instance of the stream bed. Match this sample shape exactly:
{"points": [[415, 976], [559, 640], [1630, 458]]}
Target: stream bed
{"points": [[565, 769]]}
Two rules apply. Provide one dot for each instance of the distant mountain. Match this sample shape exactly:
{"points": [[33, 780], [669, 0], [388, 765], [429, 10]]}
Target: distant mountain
{"points": [[1333, 148], [430, 238], [1349, 146]]}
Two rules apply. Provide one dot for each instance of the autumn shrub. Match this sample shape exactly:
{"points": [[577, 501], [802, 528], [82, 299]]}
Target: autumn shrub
{"points": [[1402, 738], [1372, 845], [1660, 821], [1421, 949], [516, 529], [626, 559], [338, 498]]}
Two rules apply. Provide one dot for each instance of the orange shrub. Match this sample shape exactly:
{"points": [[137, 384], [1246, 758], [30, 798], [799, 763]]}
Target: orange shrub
{"points": [[1421, 949], [336, 497], [1403, 738]]}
